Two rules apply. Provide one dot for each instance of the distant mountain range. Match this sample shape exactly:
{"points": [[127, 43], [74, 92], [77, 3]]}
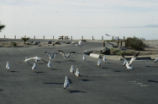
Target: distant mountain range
{"points": [[145, 26], [152, 26]]}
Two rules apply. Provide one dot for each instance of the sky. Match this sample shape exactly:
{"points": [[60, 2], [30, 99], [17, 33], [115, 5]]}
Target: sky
{"points": [[80, 17]]}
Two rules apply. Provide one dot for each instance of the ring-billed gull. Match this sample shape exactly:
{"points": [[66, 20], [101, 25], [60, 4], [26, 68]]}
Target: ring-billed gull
{"points": [[49, 65], [72, 69], [66, 82], [99, 61], [77, 73], [36, 59], [84, 57], [7, 66], [34, 66], [80, 42], [51, 56], [66, 55], [104, 59], [127, 64]]}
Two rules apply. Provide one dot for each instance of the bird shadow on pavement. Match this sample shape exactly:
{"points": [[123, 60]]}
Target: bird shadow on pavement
{"points": [[85, 80], [148, 66], [76, 91], [52, 69], [53, 83], [13, 71], [152, 81], [103, 67], [39, 72], [1, 90], [117, 71]]}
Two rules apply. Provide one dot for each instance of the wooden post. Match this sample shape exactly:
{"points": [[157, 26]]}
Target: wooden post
{"points": [[4, 36], [102, 37], [34, 37], [71, 37], [112, 38], [15, 37], [92, 38], [82, 37], [124, 41], [118, 42], [103, 43], [53, 37], [121, 43], [124, 38], [43, 37]]}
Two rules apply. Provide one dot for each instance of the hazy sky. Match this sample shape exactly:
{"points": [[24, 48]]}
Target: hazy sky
{"points": [[80, 17]]}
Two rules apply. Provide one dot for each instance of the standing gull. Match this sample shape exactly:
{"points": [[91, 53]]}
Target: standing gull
{"points": [[104, 59], [84, 57], [34, 66], [80, 42], [49, 65], [66, 82], [99, 61], [72, 69], [77, 73], [7, 66]]}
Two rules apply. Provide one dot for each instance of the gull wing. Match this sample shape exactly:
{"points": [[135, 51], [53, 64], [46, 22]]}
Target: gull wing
{"points": [[124, 60], [28, 59], [134, 58], [61, 52]]}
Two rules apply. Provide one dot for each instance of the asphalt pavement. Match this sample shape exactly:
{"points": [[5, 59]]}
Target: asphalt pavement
{"points": [[108, 84]]}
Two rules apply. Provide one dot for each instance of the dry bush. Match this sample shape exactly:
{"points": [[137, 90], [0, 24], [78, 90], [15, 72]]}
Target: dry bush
{"points": [[135, 43]]}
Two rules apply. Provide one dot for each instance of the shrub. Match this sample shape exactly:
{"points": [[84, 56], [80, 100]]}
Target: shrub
{"points": [[135, 43], [128, 52], [115, 51], [49, 42], [14, 44], [57, 42]]}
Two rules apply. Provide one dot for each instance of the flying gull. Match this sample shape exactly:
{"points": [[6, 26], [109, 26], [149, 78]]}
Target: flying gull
{"points": [[36, 59], [128, 64]]}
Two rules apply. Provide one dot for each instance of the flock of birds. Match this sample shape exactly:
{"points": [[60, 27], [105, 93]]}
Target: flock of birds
{"points": [[74, 70]]}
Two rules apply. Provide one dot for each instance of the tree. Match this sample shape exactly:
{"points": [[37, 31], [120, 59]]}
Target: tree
{"points": [[25, 39], [1, 27]]}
